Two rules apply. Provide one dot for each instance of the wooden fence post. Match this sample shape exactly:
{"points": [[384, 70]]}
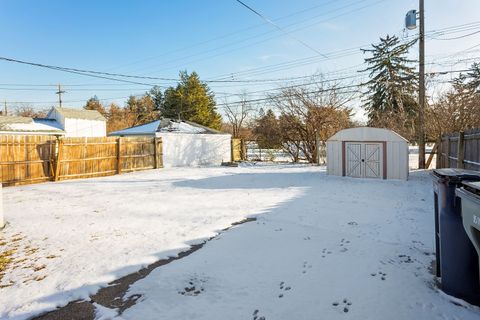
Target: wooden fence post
{"points": [[461, 150], [244, 150], [434, 150], [58, 158], [155, 153], [447, 153], [119, 155], [160, 152], [438, 161]]}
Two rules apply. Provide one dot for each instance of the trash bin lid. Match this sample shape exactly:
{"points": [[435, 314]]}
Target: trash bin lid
{"points": [[457, 175], [473, 187]]}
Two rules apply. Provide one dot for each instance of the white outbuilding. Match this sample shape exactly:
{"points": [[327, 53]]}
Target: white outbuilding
{"points": [[65, 122], [185, 143], [79, 122], [368, 153]]}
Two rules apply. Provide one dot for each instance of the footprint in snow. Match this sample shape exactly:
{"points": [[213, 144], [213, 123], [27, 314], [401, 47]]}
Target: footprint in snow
{"points": [[305, 267], [343, 244], [325, 251], [193, 288], [345, 304], [405, 258], [382, 275], [283, 289], [257, 316]]}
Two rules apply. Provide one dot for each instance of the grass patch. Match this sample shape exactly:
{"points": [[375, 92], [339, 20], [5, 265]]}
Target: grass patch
{"points": [[5, 260]]}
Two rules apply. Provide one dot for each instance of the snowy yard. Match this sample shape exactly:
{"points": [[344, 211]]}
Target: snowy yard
{"points": [[321, 247]]}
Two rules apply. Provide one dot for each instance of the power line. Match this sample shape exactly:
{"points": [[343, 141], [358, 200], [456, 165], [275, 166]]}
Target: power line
{"points": [[281, 29], [236, 42], [223, 36], [459, 37], [108, 75]]}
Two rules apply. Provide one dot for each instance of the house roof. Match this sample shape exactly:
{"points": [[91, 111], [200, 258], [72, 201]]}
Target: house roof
{"points": [[29, 125], [80, 113], [166, 125]]}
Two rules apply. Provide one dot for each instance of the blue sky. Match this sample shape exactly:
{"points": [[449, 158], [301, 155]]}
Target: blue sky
{"points": [[214, 38]]}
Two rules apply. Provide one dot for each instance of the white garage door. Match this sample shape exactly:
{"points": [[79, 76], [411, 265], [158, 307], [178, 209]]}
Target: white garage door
{"points": [[364, 160]]}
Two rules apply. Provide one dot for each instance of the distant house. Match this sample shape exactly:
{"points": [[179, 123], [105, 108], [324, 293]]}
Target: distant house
{"points": [[185, 143], [59, 121], [79, 122], [29, 126]]}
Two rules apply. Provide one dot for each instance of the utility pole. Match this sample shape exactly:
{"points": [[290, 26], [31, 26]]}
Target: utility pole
{"points": [[421, 89], [59, 92], [5, 112]]}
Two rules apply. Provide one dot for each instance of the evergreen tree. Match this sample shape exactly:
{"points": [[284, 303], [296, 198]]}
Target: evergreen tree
{"points": [[157, 97], [267, 130], [390, 97], [191, 100], [95, 104]]}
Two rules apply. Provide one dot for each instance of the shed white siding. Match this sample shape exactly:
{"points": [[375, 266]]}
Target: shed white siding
{"points": [[84, 128], [186, 149], [79, 123], [394, 156]]}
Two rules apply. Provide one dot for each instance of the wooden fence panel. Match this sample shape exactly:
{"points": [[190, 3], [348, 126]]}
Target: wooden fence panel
{"points": [[452, 150], [29, 159], [137, 154], [87, 157], [237, 150], [26, 159]]}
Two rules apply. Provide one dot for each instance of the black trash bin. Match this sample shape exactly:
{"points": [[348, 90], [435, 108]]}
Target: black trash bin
{"points": [[455, 254], [470, 196]]}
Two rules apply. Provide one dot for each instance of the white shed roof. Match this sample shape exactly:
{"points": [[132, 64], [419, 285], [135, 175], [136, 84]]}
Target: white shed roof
{"points": [[165, 125], [78, 114], [367, 134]]}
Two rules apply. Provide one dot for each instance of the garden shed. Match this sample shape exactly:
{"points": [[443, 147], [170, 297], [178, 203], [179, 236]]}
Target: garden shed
{"points": [[185, 143], [368, 153]]}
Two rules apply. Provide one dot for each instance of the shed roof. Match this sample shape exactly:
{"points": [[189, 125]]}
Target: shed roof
{"points": [[79, 113], [29, 125], [367, 134], [166, 125]]}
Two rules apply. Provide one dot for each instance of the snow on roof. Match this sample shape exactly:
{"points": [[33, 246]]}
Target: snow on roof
{"points": [[13, 119], [166, 125], [29, 125], [80, 114], [366, 134]]}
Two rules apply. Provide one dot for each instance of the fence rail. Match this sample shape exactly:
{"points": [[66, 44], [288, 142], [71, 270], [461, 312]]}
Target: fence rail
{"points": [[31, 159], [460, 150]]}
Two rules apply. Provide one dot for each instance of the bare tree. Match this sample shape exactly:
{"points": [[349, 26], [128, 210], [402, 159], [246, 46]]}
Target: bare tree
{"points": [[29, 111], [458, 109], [309, 114], [237, 114]]}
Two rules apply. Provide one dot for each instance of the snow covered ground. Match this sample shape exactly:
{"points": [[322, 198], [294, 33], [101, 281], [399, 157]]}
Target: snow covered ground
{"points": [[322, 247]]}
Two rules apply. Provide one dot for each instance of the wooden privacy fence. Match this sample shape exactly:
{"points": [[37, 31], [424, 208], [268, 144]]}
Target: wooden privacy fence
{"points": [[238, 150], [30, 159], [460, 150]]}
